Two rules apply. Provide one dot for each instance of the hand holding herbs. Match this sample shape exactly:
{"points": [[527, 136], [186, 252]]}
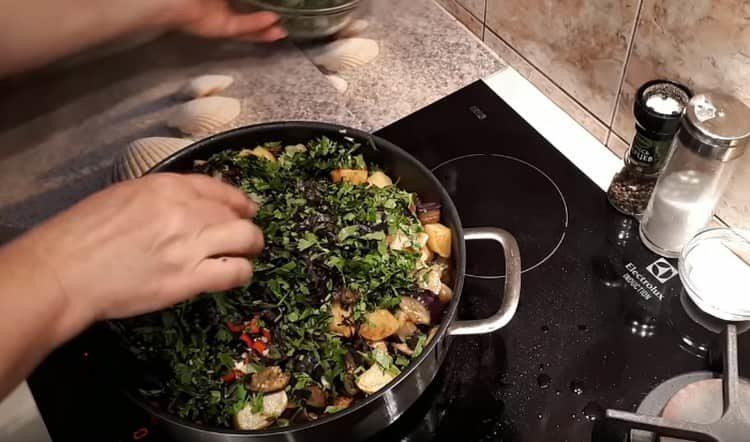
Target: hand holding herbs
{"points": [[350, 286], [135, 247]]}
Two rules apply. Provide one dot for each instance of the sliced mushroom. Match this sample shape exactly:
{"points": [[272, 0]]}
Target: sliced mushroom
{"points": [[317, 398], [378, 325], [426, 256], [401, 347], [399, 241], [273, 406], [415, 311], [353, 176], [406, 327], [340, 322], [446, 294], [440, 238], [374, 379], [269, 380]]}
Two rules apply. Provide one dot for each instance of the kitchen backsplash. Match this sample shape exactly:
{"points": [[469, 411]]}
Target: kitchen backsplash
{"points": [[589, 57]]}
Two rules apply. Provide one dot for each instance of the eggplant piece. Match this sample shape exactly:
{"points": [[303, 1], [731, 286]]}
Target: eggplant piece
{"points": [[269, 380], [378, 325], [440, 239], [374, 379], [317, 397], [273, 407], [342, 402], [429, 213], [340, 323], [415, 310], [352, 176], [347, 297], [379, 180]]}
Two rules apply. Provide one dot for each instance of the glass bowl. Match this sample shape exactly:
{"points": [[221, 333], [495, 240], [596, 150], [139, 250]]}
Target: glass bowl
{"points": [[715, 270], [306, 19]]}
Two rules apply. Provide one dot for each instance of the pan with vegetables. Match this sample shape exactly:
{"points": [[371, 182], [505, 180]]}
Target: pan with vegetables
{"points": [[353, 301]]}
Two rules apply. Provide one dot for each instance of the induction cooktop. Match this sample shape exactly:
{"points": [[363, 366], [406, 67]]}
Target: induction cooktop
{"points": [[602, 321]]}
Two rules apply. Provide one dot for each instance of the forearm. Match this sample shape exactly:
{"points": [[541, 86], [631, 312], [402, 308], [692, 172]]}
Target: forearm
{"points": [[36, 32], [37, 316]]}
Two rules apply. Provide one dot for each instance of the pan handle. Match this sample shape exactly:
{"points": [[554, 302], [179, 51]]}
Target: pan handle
{"points": [[512, 292]]}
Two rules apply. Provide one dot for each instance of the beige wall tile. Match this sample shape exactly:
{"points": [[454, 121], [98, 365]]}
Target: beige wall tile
{"points": [[617, 145], [581, 45], [703, 43], [476, 7], [464, 16], [557, 95]]}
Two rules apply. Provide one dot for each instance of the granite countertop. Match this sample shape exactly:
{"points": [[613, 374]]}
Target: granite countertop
{"points": [[62, 128]]}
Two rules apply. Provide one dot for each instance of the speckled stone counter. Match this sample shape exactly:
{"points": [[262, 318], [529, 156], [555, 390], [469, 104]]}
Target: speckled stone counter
{"points": [[60, 130]]}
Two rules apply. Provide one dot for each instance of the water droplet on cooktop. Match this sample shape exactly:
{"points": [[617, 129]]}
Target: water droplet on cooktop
{"points": [[541, 367], [543, 380], [545, 329], [573, 416], [539, 416], [507, 192], [557, 392], [583, 327], [593, 411], [576, 387]]}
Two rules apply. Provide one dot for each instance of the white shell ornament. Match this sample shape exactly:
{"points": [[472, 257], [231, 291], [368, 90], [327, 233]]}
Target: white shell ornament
{"points": [[338, 83], [355, 28], [205, 115], [142, 154], [205, 85], [347, 53]]}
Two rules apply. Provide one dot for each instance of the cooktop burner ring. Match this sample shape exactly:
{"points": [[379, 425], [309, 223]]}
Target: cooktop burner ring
{"points": [[559, 197]]}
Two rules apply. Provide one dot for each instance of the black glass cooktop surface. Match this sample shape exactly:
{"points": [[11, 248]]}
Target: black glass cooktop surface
{"points": [[601, 322]]}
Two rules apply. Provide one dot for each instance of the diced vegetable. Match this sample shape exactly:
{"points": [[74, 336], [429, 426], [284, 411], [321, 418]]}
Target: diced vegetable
{"points": [[317, 398], [415, 311], [429, 213], [446, 294], [343, 402], [259, 152], [429, 278], [439, 239], [273, 406], [297, 148], [380, 180], [378, 325], [340, 321], [353, 176], [401, 347], [374, 379], [269, 380], [379, 345]]}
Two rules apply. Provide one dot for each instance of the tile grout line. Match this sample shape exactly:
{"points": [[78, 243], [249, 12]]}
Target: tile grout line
{"points": [[543, 74], [628, 54], [484, 20]]}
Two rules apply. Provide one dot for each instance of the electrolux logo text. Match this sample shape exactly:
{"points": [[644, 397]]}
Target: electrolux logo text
{"points": [[642, 284]]}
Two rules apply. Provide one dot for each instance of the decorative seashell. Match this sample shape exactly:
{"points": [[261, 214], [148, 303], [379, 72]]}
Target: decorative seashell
{"points": [[355, 28], [205, 115], [205, 85], [142, 154], [338, 83], [347, 53]]}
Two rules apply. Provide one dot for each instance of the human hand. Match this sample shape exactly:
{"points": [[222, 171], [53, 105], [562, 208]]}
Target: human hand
{"points": [[145, 245], [216, 18]]}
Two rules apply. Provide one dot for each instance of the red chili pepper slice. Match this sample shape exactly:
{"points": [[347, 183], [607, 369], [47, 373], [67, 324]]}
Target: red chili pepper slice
{"points": [[254, 327], [267, 334], [234, 328], [247, 340], [140, 433], [229, 377], [259, 346]]}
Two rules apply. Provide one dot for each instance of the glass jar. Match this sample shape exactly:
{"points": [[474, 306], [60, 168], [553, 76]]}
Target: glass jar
{"points": [[712, 137], [658, 109]]}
